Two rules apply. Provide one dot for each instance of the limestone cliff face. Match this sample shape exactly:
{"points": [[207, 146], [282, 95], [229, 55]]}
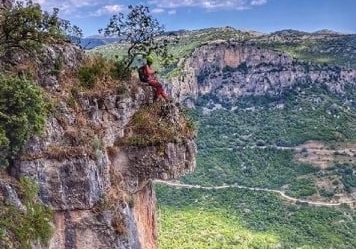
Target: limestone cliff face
{"points": [[101, 191], [229, 70]]}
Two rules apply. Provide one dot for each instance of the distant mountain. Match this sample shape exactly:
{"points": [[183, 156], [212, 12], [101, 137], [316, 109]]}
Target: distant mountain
{"points": [[91, 42], [327, 31]]}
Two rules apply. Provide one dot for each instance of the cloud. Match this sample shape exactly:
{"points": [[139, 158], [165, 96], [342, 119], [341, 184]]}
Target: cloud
{"points": [[73, 3], [258, 2], [109, 9], [172, 12], [68, 7], [207, 4], [41, 2], [82, 8], [157, 11], [160, 10]]}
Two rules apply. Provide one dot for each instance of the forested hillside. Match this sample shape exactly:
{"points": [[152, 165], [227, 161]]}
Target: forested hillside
{"points": [[305, 150]]}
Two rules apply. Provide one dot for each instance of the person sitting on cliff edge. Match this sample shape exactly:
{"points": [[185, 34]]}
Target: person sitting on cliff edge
{"points": [[152, 80]]}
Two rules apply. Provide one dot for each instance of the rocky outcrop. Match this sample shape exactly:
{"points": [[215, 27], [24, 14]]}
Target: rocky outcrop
{"points": [[101, 191], [229, 70]]}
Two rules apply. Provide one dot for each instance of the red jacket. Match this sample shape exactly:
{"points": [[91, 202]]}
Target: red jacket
{"points": [[150, 73]]}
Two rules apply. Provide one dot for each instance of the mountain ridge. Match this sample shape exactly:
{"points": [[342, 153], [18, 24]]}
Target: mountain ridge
{"points": [[100, 40]]}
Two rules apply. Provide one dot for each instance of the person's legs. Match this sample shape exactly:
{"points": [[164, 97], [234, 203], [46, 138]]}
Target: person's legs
{"points": [[159, 91]]}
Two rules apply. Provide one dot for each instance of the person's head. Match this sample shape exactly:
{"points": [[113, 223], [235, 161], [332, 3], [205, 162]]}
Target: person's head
{"points": [[149, 59]]}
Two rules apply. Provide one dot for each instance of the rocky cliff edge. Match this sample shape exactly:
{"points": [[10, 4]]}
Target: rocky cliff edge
{"points": [[96, 160]]}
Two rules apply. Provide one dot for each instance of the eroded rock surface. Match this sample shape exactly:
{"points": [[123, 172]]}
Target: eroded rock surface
{"points": [[229, 70], [101, 192]]}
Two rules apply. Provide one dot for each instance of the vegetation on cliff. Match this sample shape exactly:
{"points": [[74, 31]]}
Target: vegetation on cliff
{"points": [[24, 31], [141, 35], [91, 100], [25, 28], [22, 114], [152, 125], [21, 226]]}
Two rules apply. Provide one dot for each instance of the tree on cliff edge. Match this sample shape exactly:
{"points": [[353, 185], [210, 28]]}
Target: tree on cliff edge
{"points": [[141, 31], [24, 27]]}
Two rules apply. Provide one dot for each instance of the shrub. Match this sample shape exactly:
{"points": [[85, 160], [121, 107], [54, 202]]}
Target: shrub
{"points": [[96, 69], [4, 147], [88, 76], [22, 113], [326, 193], [92, 70], [57, 67], [301, 187], [23, 228], [152, 125], [119, 70]]}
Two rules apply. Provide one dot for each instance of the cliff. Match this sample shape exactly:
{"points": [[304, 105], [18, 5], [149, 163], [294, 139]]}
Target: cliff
{"points": [[229, 70], [92, 167]]}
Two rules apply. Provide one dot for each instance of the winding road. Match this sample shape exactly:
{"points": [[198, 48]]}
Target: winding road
{"points": [[289, 198]]}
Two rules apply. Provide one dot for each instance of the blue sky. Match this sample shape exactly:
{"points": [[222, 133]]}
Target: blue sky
{"points": [[259, 15]]}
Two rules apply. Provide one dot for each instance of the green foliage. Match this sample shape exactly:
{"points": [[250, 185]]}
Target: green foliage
{"points": [[326, 193], [119, 70], [57, 67], [348, 176], [98, 69], [88, 76], [253, 145], [219, 216], [141, 31], [25, 27], [92, 70], [4, 147], [201, 229], [26, 227], [240, 146], [22, 113], [301, 187], [330, 51], [152, 125], [73, 32]]}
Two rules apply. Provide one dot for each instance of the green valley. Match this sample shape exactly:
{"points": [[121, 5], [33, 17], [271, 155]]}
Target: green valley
{"points": [[246, 219], [259, 145]]}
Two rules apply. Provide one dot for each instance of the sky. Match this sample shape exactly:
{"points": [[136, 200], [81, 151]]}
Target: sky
{"points": [[259, 15]]}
